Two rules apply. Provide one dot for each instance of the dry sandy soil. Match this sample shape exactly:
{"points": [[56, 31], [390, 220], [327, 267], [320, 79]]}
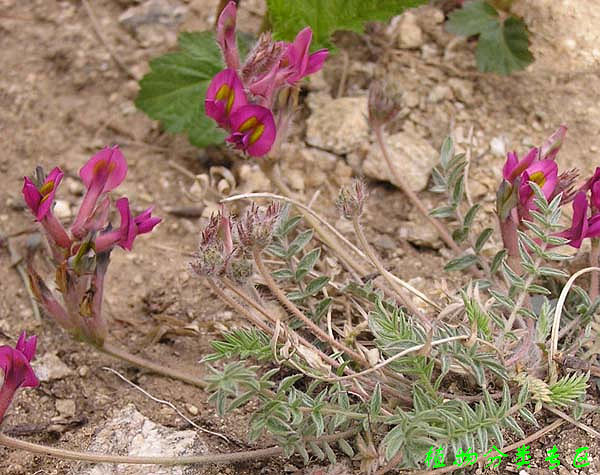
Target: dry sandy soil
{"points": [[62, 98]]}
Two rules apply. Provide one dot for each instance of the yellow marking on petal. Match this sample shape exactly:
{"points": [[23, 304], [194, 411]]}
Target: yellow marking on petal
{"points": [[46, 188], [225, 93], [248, 124], [258, 131], [538, 178]]}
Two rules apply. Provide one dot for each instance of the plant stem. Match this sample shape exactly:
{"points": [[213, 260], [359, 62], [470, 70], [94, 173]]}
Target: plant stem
{"points": [[386, 275], [355, 267], [122, 354], [287, 303], [594, 255], [510, 239], [234, 457], [412, 196]]}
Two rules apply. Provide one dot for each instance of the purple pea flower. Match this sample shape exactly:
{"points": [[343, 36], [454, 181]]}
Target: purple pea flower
{"points": [[129, 228], [551, 146], [543, 173], [253, 130], [297, 63], [579, 225], [593, 185], [226, 35], [40, 200], [225, 94], [102, 173], [513, 167], [18, 373]]}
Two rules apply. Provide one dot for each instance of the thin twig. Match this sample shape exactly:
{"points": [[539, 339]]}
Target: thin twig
{"points": [[412, 196], [158, 368], [166, 403], [310, 211], [556, 321], [234, 457], [568, 418], [387, 275], [287, 303], [100, 36], [384, 363], [16, 260]]}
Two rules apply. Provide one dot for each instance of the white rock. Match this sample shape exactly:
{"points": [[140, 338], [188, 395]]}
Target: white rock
{"points": [[498, 146], [130, 432], [410, 34], [49, 367], [462, 89], [62, 209], [338, 125], [439, 93], [65, 407], [412, 156]]}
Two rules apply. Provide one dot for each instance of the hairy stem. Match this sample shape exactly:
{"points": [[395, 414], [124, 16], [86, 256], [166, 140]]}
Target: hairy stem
{"points": [[122, 354], [330, 241], [287, 303], [386, 275], [234, 457], [412, 196], [594, 278]]}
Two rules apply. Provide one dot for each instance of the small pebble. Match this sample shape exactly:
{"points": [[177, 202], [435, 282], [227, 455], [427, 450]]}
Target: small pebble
{"points": [[84, 371], [193, 410], [62, 209]]}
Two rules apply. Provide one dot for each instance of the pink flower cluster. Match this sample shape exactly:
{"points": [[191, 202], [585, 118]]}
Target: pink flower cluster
{"points": [[81, 253], [240, 98], [15, 364], [516, 197]]}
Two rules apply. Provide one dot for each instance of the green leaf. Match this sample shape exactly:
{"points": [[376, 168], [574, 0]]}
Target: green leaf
{"points": [[298, 244], [447, 152], [307, 263], [327, 16], [504, 49], [173, 91], [482, 239], [472, 19], [461, 263], [315, 285]]}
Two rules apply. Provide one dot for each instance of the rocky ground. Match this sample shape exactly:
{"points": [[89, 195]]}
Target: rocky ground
{"points": [[62, 97]]}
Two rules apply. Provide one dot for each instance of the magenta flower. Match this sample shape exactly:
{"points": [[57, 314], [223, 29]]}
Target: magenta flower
{"points": [[102, 173], [18, 373], [253, 130], [40, 200], [579, 226], [543, 173], [129, 228], [226, 36], [297, 63], [551, 146], [225, 94], [593, 185], [513, 167]]}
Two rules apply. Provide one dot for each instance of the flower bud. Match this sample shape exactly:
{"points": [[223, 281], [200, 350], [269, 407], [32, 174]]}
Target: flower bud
{"points": [[351, 199], [385, 102]]}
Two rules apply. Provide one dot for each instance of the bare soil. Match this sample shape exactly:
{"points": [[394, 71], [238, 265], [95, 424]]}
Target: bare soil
{"points": [[62, 97]]}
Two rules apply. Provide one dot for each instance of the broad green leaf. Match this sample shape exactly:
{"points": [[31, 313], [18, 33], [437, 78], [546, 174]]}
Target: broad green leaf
{"points": [[504, 49], [472, 19], [327, 16], [174, 89], [461, 263]]}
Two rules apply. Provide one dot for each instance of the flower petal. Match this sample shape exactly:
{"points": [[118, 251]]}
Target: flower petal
{"points": [[127, 226], [315, 61], [226, 35], [253, 129], [225, 94], [106, 170]]}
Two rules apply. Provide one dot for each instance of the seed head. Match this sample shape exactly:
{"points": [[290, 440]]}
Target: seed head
{"points": [[385, 102], [351, 199]]}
